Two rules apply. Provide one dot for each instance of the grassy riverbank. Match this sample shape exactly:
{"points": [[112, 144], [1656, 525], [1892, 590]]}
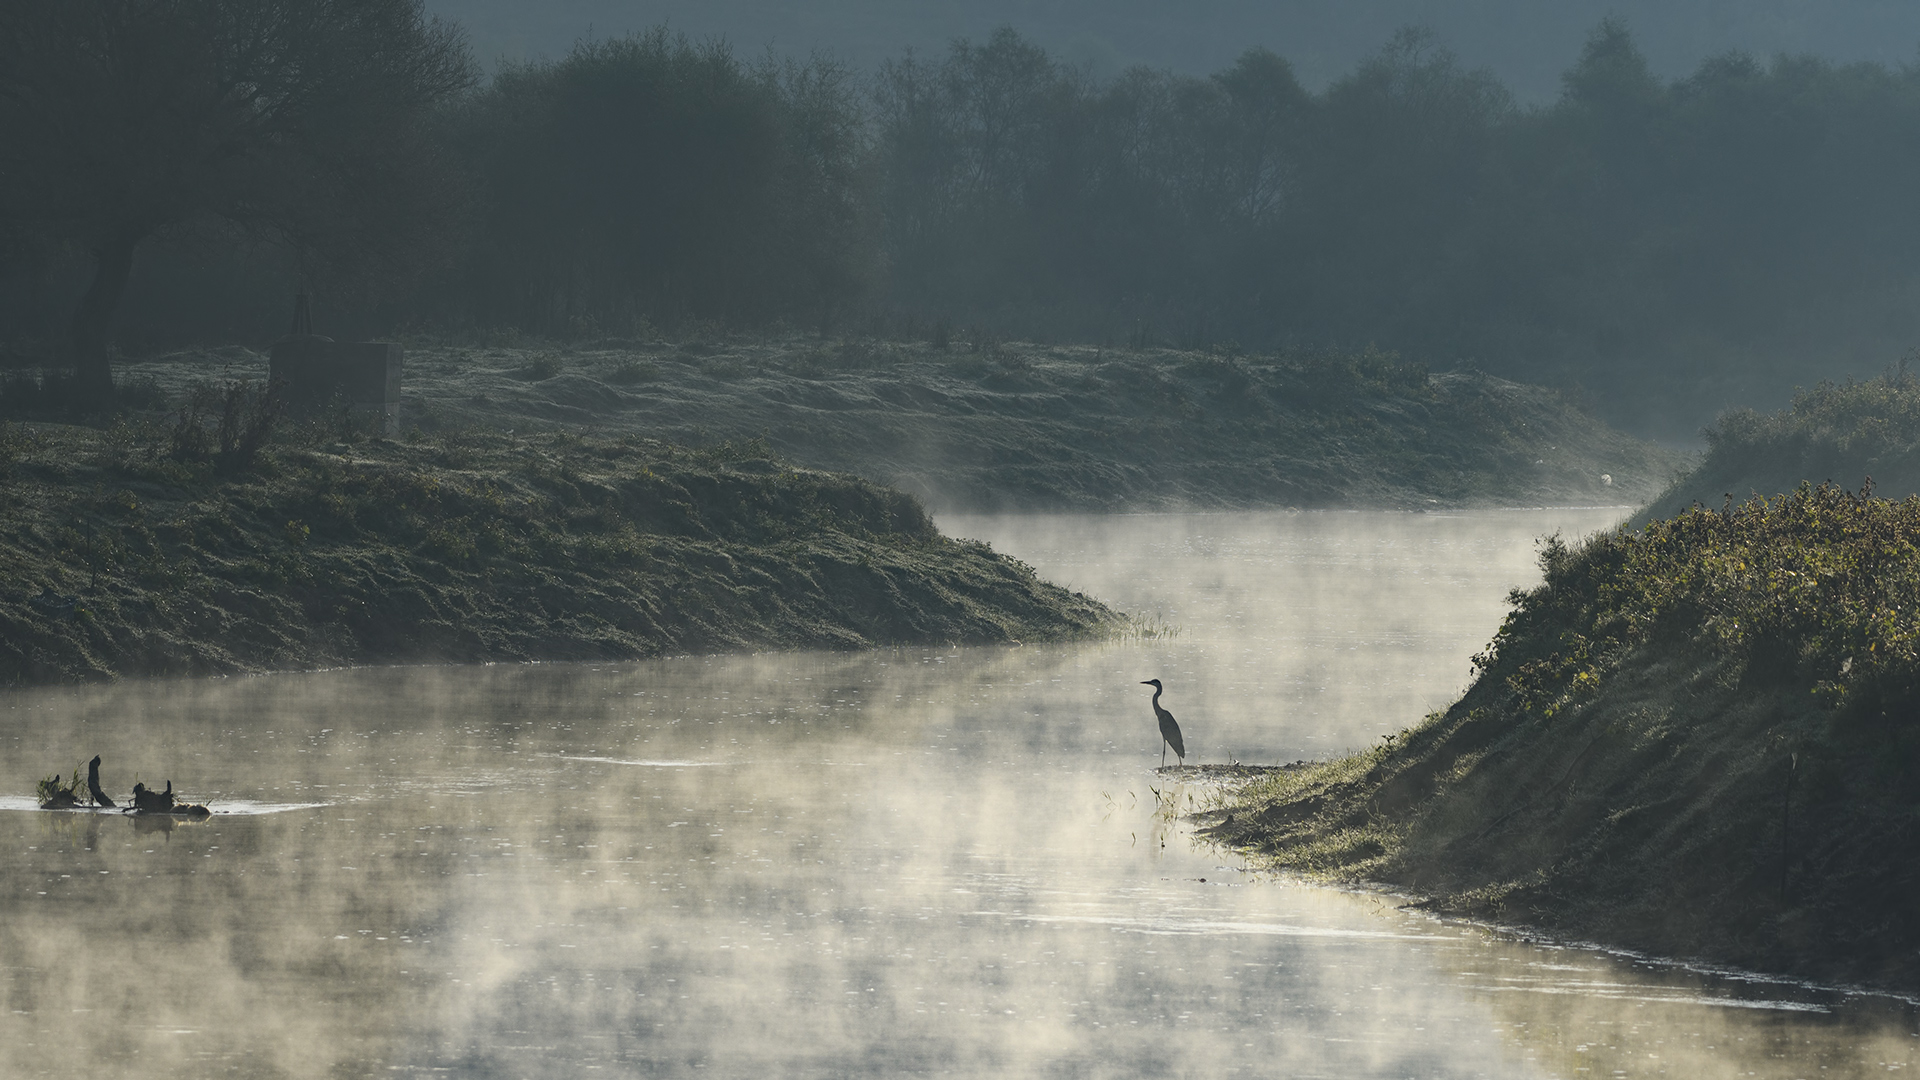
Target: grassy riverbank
{"points": [[1835, 432], [1700, 739], [1017, 426], [140, 550]]}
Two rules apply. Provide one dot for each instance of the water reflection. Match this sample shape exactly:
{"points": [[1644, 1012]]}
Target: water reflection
{"points": [[942, 862]]}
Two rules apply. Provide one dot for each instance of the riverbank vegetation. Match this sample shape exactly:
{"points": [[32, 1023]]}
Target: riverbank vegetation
{"points": [[989, 425], [1701, 738], [1668, 246], [1848, 433], [152, 548]]}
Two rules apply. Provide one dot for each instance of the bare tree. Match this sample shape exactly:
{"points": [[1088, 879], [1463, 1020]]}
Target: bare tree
{"points": [[301, 119]]}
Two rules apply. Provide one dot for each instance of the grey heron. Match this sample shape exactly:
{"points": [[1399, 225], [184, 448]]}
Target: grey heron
{"points": [[1169, 730]]}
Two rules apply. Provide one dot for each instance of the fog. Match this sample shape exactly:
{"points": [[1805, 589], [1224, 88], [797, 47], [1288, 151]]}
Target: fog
{"points": [[917, 860], [929, 861]]}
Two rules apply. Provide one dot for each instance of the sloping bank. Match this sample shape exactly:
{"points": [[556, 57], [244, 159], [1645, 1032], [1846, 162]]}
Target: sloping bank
{"points": [[1839, 432], [1699, 739], [118, 558], [1019, 426]]}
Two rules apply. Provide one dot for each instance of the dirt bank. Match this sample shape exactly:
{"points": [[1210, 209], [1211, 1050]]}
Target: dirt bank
{"points": [[1700, 739], [1020, 426], [119, 555]]}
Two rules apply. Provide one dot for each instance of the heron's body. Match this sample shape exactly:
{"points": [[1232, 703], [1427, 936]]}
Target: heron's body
{"points": [[1169, 730]]}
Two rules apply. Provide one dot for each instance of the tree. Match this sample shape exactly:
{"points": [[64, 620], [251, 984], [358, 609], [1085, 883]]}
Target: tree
{"points": [[1264, 126], [650, 178], [980, 155], [299, 119]]}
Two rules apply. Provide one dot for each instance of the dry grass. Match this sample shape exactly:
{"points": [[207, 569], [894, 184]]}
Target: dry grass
{"points": [[119, 557], [993, 425]]}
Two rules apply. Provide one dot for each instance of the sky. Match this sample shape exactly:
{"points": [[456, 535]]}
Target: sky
{"points": [[1528, 43]]}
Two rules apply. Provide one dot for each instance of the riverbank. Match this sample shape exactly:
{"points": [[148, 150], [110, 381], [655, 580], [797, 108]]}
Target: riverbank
{"points": [[990, 426], [145, 549], [1700, 740], [1841, 433]]}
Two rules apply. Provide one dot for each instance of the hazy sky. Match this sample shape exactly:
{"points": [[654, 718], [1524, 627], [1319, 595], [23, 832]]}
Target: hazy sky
{"points": [[1527, 42]]}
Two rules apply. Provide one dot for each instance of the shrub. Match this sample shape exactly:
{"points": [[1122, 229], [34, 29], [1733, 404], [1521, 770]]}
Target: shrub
{"points": [[242, 416]]}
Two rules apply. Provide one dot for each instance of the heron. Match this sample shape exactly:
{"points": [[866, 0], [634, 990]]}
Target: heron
{"points": [[93, 783], [1169, 730]]}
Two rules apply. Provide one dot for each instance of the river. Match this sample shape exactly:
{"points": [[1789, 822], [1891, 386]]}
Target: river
{"points": [[940, 861]]}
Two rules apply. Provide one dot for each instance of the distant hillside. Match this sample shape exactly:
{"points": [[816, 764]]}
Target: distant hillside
{"points": [[1843, 433], [1023, 426]]}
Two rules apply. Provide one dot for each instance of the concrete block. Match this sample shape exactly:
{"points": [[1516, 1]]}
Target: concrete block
{"points": [[314, 372]]}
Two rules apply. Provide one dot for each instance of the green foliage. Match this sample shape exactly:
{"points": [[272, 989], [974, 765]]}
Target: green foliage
{"points": [[1866, 430], [1700, 738], [1863, 419], [1819, 588], [50, 789]]}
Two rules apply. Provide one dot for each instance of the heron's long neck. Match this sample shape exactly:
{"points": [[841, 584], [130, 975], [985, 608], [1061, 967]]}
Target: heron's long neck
{"points": [[1156, 697]]}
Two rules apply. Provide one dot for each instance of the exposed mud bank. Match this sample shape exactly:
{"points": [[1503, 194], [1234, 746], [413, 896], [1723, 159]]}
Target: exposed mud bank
{"points": [[1700, 739]]}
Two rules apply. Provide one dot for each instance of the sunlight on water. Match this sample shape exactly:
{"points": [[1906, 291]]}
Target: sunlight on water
{"points": [[915, 862]]}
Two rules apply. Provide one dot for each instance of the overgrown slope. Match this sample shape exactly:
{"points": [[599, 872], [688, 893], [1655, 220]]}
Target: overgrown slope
{"points": [[117, 557], [987, 425], [1838, 432], [1700, 738]]}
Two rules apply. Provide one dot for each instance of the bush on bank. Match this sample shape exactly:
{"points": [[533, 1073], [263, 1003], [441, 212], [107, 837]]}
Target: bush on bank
{"points": [[1701, 738], [1847, 431]]}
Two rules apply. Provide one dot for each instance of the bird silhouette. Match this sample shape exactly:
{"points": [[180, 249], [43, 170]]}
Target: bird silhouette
{"points": [[93, 783], [1169, 730]]}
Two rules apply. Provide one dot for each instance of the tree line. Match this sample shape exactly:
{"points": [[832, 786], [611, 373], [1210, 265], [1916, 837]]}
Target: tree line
{"points": [[1669, 245]]}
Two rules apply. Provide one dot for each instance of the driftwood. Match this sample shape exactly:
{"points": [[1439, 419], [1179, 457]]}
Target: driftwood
{"points": [[55, 794], [93, 783]]}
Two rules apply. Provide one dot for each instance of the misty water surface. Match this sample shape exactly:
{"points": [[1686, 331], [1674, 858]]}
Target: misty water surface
{"points": [[931, 861]]}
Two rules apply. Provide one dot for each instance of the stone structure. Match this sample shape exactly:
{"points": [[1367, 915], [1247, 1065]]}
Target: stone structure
{"points": [[314, 372]]}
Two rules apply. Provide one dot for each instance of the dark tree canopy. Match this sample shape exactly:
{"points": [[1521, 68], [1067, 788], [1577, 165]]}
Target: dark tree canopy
{"points": [[297, 118], [1672, 246], [647, 177]]}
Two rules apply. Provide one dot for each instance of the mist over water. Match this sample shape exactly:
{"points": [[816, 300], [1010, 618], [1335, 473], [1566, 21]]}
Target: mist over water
{"points": [[1296, 634], [916, 862]]}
